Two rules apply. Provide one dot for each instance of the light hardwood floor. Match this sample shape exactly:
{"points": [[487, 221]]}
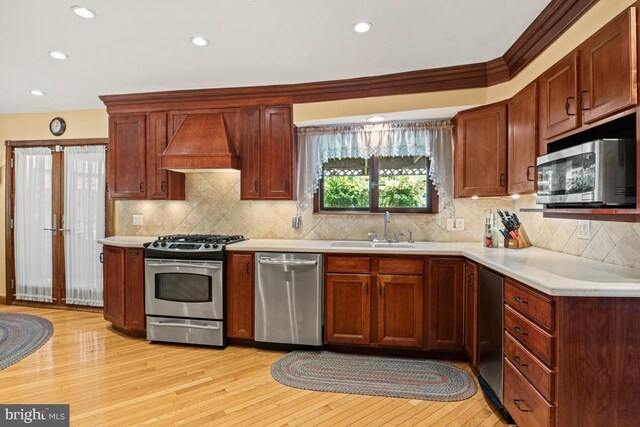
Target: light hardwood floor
{"points": [[110, 379]]}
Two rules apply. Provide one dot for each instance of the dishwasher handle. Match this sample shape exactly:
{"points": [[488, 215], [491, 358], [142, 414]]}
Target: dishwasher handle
{"points": [[269, 261]]}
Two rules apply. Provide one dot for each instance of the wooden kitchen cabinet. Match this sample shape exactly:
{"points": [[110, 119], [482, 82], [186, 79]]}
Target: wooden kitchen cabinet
{"points": [[348, 308], [376, 301], [123, 282], [136, 142], [445, 309], [481, 151], [240, 295], [522, 140], [470, 329], [593, 82], [268, 153], [608, 81], [127, 154]]}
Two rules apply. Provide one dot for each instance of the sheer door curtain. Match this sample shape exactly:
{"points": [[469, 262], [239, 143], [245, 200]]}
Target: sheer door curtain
{"points": [[83, 223], [33, 223]]}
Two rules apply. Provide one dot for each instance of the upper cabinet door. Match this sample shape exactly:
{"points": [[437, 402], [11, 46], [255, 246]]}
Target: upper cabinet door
{"points": [[250, 154], [608, 72], [127, 171], [558, 97], [481, 151], [163, 184], [277, 154], [522, 140]]}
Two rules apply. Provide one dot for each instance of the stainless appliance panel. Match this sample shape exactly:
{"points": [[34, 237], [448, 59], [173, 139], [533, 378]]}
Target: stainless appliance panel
{"points": [[491, 329], [184, 288], [288, 298], [186, 331]]}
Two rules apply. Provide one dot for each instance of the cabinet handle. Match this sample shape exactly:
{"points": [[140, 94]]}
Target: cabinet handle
{"points": [[502, 178], [163, 186], [566, 106], [520, 300], [520, 331], [142, 187], [255, 185], [529, 173], [518, 360], [517, 403], [380, 289], [366, 289], [580, 98], [248, 272]]}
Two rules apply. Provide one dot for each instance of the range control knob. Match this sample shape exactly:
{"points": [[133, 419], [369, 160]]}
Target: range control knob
{"points": [[163, 244], [155, 244], [215, 245], [206, 245]]}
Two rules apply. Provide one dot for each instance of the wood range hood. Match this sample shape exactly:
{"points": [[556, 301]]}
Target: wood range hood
{"points": [[201, 143]]}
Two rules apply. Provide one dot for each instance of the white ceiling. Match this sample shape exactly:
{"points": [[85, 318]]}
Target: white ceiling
{"points": [[143, 45]]}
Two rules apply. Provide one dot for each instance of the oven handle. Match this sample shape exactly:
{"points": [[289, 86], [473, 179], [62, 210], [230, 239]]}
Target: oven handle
{"points": [[184, 325], [274, 262], [177, 264]]}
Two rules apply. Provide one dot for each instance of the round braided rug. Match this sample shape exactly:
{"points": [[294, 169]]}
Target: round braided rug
{"points": [[21, 335], [373, 375]]}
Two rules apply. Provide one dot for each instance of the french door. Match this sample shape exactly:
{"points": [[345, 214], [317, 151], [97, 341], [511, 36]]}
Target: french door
{"points": [[57, 213]]}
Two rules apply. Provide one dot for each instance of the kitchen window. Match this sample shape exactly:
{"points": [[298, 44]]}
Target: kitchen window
{"points": [[377, 184]]}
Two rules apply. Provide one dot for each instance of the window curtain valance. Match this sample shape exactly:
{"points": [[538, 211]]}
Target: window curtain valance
{"points": [[317, 145]]}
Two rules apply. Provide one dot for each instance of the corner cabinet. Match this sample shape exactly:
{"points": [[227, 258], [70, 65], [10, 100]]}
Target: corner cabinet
{"points": [[240, 295], [522, 140], [267, 153], [481, 151], [136, 142], [123, 281]]}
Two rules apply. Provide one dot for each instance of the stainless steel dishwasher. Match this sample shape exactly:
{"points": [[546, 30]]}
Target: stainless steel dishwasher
{"points": [[288, 298], [490, 334]]}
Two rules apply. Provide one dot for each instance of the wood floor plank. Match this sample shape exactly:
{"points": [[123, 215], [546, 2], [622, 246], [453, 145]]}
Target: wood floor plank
{"points": [[110, 379]]}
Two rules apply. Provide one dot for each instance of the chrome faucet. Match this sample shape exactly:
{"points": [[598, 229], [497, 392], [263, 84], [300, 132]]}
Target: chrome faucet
{"points": [[387, 219]]}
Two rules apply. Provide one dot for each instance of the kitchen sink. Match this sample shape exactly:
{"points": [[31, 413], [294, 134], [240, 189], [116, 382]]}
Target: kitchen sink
{"points": [[394, 245], [349, 244]]}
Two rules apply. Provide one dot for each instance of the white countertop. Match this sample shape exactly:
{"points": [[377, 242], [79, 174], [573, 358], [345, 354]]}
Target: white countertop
{"points": [[553, 273], [127, 241]]}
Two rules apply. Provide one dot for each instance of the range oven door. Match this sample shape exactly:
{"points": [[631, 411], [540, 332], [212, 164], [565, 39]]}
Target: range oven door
{"points": [[181, 288]]}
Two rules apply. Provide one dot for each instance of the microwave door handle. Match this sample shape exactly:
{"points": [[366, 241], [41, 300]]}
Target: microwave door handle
{"points": [[184, 325], [177, 264]]}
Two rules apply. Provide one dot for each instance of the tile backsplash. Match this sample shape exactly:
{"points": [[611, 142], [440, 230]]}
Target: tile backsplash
{"points": [[213, 205], [611, 242]]}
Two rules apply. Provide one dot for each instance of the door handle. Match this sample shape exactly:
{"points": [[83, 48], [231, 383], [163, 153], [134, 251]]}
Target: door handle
{"points": [[517, 403], [163, 186], [54, 223], [566, 106], [529, 173], [177, 264], [275, 262], [502, 179], [184, 325], [520, 300], [520, 331], [580, 98], [518, 360], [142, 187], [255, 185]]}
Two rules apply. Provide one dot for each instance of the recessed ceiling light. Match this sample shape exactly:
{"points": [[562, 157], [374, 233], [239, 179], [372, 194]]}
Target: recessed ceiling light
{"points": [[377, 119], [58, 55], [36, 92], [199, 41], [83, 12], [362, 27]]}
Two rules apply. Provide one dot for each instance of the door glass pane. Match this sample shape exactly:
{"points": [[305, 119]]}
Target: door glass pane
{"points": [[33, 224], [182, 287], [403, 182], [346, 183], [573, 175]]}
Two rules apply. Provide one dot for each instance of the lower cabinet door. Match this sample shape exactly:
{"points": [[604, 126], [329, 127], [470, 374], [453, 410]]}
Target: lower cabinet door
{"points": [[240, 294], [527, 407], [113, 285], [445, 304], [134, 290], [348, 308], [400, 310]]}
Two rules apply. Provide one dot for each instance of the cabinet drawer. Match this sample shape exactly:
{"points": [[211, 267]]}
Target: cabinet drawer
{"points": [[523, 402], [531, 336], [530, 304], [529, 366], [414, 266], [338, 264]]}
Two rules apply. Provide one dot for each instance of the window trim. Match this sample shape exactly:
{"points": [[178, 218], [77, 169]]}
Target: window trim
{"points": [[432, 199]]}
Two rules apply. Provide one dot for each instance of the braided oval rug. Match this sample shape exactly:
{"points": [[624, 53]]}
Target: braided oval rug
{"points": [[373, 375], [21, 335]]}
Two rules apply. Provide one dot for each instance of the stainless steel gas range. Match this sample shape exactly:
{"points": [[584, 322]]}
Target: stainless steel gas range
{"points": [[185, 287]]}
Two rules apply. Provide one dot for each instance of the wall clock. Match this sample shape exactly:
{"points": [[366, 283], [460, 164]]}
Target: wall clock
{"points": [[57, 126]]}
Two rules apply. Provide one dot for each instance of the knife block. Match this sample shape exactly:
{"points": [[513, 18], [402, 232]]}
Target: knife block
{"points": [[520, 242]]}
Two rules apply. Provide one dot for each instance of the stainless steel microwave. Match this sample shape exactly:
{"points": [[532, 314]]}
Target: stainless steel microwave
{"points": [[593, 174]]}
